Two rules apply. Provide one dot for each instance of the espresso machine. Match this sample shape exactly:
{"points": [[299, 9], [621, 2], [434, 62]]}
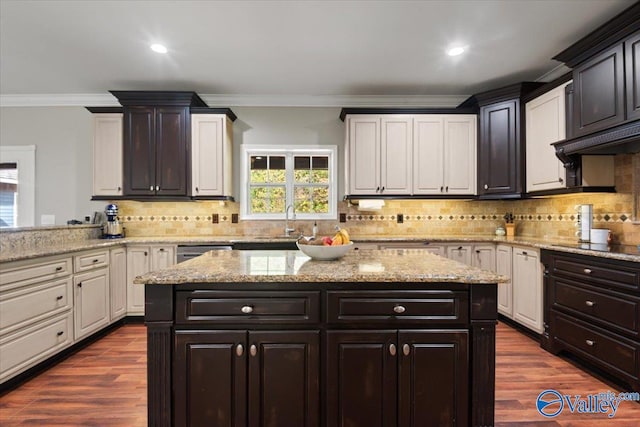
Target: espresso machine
{"points": [[112, 228]]}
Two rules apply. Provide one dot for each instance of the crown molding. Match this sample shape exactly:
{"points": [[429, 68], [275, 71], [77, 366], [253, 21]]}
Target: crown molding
{"points": [[216, 100]]}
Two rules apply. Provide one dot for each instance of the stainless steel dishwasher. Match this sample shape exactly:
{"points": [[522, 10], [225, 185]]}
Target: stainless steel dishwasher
{"points": [[186, 252]]}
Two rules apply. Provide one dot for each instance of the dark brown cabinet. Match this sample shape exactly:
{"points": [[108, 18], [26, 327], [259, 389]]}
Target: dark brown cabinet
{"points": [[237, 378], [397, 378], [632, 72], [592, 310], [156, 151], [599, 92]]}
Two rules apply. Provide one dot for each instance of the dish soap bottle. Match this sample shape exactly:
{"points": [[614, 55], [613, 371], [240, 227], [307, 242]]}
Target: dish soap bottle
{"points": [[314, 230]]}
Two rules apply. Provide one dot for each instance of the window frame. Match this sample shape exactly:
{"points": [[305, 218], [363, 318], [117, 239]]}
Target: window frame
{"points": [[25, 157], [288, 152]]}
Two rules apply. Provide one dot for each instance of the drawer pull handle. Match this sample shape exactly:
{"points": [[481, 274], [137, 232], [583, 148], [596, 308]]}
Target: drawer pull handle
{"points": [[590, 303], [247, 309], [60, 333], [95, 260], [399, 309], [392, 349], [253, 350], [590, 342], [587, 271], [59, 297], [58, 268], [161, 249], [239, 350], [406, 349]]}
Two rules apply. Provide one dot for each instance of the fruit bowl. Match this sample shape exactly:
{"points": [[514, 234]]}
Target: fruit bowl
{"points": [[324, 253]]}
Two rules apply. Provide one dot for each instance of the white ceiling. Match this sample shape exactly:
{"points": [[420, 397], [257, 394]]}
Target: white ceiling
{"points": [[341, 53]]}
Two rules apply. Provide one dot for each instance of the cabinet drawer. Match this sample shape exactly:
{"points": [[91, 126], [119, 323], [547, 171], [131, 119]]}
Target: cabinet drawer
{"points": [[238, 308], [420, 307], [32, 303], [27, 272], [606, 349], [598, 272], [27, 347], [620, 311], [90, 261]]}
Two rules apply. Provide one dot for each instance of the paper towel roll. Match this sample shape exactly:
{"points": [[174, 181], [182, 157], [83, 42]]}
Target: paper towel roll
{"points": [[370, 205]]}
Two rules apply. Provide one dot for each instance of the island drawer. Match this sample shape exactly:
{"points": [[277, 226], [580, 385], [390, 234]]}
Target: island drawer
{"points": [[621, 311], [242, 308], [601, 272], [420, 307]]}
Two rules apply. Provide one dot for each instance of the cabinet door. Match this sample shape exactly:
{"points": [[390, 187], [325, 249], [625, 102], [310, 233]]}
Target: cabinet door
{"points": [[484, 257], [139, 151], [118, 283], [138, 262], [361, 379], [599, 92], [162, 257], [207, 145], [396, 142], [273, 356], [460, 253], [545, 124], [527, 288], [433, 383], [503, 267], [364, 155], [498, 150], [428, 154], [172, 151], [107, 154], [91, 302], [460, 159], [632, 61], [210, 379]]}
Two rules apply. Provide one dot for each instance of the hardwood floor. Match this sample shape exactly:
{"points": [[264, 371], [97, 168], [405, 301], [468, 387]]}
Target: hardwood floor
{"points": [[105, 385]]}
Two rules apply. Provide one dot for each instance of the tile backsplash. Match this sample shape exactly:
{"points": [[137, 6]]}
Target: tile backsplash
{"points": [[552, 217]]}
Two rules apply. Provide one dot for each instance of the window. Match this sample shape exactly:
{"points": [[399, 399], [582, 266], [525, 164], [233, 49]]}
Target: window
{"points": [[17, 186], [274, 178]]}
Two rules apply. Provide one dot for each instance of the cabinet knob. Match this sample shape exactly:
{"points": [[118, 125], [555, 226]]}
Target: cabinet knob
{"points": [[459, 248], [253, 350], [145, 253], [79, 285], [161, 249], [151, 188], [247, 309], [377, 189], [406, 349], [382, 189], [486, 187], [392, 349], [399, 309], [441, 189], [590, 342], [239, 350], [157, 187], [589, 303], [560, 180], [58, 268], [60, 333], [587, 271], [119, 189], [197, 191], [446, 189], [477, 251]]}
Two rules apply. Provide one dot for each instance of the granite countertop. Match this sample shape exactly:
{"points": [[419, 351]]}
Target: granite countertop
{"points": [[391, 265], [571, 246]]}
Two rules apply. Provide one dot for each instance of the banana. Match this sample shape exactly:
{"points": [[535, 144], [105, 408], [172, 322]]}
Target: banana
{"points": [[345, 236], [337, 240]]}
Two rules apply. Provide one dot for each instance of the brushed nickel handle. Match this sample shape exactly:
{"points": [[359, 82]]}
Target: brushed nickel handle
{"points": [[157, 187], [587, 271], [247, 309], [399, 309], [151, 188], [590, 342], [392, 349], [590, 303], [239, 350], [406, 349], [253, 350]]}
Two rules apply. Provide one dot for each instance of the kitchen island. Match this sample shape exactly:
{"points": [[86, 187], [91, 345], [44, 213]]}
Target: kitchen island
{"points": [[377, 338]]}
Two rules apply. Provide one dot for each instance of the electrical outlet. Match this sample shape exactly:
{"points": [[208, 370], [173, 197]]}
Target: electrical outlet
{"points": [[234, 218], [400, 218], [343, 217], [215, 218]]}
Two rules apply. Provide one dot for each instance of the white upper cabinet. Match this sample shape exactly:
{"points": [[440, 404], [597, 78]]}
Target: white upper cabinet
{"points": [[211, 162], [107, 154], [444, 154], [545, 124], [379, 154]]}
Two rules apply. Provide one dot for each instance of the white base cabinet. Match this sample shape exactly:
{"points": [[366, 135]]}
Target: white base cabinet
{"points": [[141, 260], [118, 283], [527, 288], [504, 255], [91, 302]]}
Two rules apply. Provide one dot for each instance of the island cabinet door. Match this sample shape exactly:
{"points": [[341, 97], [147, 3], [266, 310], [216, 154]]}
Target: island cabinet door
{"points": [[210, 379], [362, 379], [284, 378], [433, 383]]}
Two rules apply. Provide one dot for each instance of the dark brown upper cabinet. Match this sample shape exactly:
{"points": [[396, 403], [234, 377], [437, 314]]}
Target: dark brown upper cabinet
{"points": [[632, 70], [599, 92]]}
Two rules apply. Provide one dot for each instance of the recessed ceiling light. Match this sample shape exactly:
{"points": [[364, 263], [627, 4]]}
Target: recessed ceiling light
{"points": [[455, 51], [158, 48]]}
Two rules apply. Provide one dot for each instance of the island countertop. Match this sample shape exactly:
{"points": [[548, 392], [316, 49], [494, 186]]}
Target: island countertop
{"points": [[390, 265]]}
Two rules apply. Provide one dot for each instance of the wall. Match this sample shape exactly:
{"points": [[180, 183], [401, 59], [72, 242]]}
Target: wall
{"points": [[63, 138]]}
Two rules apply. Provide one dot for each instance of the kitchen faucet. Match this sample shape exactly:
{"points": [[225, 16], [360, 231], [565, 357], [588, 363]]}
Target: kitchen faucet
{"points": [[287, 230]]}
